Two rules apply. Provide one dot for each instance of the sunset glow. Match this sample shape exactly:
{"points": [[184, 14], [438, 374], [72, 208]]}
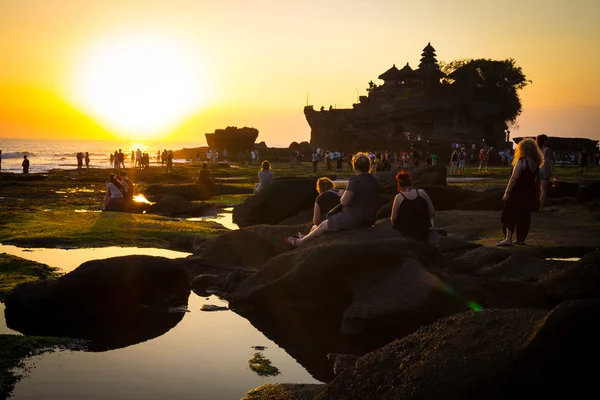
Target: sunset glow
{"points": [[139, 85]]}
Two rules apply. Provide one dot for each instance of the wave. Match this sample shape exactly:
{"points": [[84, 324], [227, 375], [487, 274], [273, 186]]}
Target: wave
{"points": [[17, 154]]}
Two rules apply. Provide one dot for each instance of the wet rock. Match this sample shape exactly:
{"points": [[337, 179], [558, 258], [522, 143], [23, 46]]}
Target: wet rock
{"points": [[447, 197], [173, 205], [496, 354], [282, 199], [212, 307], [341, 362], [202, 282], [114, 302], [581, 280]]}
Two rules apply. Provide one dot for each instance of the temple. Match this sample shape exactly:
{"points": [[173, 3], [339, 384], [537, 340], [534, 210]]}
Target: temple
{"points": [[411, 105]]}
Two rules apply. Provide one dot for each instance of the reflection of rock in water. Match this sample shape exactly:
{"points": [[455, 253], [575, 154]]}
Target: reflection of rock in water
{"points": [[114, 303], [305, 335]]}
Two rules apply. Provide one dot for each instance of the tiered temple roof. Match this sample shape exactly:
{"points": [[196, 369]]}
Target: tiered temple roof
{"points": [[428, 71]]}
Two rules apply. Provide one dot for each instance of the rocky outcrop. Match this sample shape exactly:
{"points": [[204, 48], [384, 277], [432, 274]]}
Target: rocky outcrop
{"points": [[192, 191], [353, 270], [232, 139], [496, 354], [173, 205], [114, 302], [282, 199], [581, 280]]}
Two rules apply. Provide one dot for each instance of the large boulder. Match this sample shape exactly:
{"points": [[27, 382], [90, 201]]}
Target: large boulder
{"points": [[495, 354], [114, 302], [193, 191], [376, 277], [581, 280], [232, 139], [173, 205], [423, 175], [281, 199]]}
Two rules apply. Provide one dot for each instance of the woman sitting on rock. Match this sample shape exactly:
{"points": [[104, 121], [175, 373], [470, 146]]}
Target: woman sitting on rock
{"points": [[265, 176], [521, 195], [204, 176], [327, 200], [359, 203], [412, 210], [113, 200]]}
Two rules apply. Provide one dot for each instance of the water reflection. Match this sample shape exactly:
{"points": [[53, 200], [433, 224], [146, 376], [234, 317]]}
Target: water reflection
{"points": [[204, 357], [69, 259]]}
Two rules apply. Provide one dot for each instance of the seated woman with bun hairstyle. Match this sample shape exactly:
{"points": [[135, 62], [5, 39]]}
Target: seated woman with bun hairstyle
{"points": [[412, 210]]}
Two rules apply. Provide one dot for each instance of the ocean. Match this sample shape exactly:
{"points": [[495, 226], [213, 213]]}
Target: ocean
{"points": [[45, 154]]}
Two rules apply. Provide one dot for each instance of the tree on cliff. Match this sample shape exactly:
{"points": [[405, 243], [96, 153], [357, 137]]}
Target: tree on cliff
{"points": [[487, 88]]}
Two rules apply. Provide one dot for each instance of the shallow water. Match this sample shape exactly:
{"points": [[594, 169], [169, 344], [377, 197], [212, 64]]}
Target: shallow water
{"points": [[69, 259], [223, 217], [570, 259], [205, 356]]}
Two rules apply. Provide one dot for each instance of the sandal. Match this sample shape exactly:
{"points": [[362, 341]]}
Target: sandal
{"points": [[291, 241], [520, 243], [503, 244]]}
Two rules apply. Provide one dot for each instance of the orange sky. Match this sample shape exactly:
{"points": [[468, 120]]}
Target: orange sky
{"points": [[257, 60]]}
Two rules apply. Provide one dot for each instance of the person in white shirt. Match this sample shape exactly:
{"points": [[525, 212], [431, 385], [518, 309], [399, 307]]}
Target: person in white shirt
{"points": [[113, 200], [138, 158]]}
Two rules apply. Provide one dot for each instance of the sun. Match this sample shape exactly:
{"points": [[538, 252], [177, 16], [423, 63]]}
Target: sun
{"points": [[140, 86]]}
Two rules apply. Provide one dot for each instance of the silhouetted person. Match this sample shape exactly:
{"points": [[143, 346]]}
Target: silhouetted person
{"points": [[204, 176], [79, 157], [25, 165], [87, 160]]}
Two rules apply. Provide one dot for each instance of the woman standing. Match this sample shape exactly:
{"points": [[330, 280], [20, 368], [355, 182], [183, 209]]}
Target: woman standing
{"points": [[521, 196], [547, 170], [412, 210], [360, 203]]}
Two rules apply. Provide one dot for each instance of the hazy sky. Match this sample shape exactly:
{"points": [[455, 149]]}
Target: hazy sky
{"points": [[254, 62]]}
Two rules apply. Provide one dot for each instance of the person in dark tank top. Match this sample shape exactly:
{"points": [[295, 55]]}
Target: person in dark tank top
{"points": [[412, 210], [328, 199]]}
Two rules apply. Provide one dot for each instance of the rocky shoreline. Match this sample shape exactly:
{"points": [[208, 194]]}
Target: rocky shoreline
{"points": [[460, 320]]}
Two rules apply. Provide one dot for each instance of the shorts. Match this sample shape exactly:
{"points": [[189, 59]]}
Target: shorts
{"points": [[461, 163]]}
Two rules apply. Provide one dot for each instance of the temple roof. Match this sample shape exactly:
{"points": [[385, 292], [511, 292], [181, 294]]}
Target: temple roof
{"points": [[429, 48], [406, 71], [390, 75]]}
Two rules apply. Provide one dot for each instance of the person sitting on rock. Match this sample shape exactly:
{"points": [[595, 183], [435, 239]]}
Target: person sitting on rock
{"points": [[328, 199], [113, 200], [265, 176], [412, 210], [359, 203], [204, 176], [127, 187]]}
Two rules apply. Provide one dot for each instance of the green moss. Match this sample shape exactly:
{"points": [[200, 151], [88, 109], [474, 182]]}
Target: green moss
{"points": [[99, 229], [14, 348], [262, 366], [16, 270]]}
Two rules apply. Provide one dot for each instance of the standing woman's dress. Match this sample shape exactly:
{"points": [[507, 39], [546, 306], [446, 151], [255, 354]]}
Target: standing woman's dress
{"points": [[522, 200]]}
